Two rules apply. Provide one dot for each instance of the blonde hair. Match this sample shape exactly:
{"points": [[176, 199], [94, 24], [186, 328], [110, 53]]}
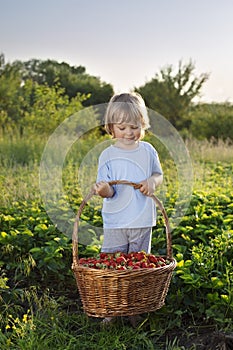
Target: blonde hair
{"points": [[126, 108]]}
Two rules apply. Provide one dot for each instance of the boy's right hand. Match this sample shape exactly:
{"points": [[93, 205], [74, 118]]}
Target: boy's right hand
{"points": [[103, 189]]}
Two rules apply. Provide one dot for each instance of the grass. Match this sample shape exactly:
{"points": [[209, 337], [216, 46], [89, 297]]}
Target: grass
{"points": [[57, 323], [210, 151], [20, 161], [50, 325]]}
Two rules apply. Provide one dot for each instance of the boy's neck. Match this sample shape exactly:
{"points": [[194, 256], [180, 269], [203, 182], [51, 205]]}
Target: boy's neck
{"points": [[122, 145]]}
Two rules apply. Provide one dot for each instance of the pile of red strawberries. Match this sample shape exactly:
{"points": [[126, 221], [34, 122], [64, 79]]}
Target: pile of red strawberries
{"points": [[122, 261]]}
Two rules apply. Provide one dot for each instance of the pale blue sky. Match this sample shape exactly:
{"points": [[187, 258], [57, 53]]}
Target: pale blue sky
{"points": [[125, 42]]}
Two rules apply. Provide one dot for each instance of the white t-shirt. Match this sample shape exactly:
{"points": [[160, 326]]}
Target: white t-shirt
{"points": [[128, 208]]}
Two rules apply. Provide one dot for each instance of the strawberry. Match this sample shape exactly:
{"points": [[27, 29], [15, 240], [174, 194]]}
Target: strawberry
{"points": [[161, 259], [151, 265], [138, 263], [120, 267], [118, 254], [136, 267], [82, 261], [152, 258], [130, 263], [144, 265], [103, 255], [131, 256], [99, 265], [112, 265], [106, 263], [121, 260], [140, 256]]}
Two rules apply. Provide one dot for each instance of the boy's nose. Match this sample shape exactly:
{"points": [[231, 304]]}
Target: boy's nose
{"points": [[129, 131]]}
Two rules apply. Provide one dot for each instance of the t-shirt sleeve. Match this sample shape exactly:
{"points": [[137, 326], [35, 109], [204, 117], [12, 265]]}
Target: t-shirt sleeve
{"points": [[156, 163], [103, 173], [154, 158]]}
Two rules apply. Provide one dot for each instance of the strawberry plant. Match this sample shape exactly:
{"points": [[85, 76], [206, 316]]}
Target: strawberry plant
{"points": [[32, 249]]}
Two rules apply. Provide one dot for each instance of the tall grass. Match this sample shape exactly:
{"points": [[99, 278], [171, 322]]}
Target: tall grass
{"points": [[15, 150], [210, 151], [21, 151], [20, 161], [19, 183]]}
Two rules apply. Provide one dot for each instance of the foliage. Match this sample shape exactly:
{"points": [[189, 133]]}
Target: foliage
{"points": [[31, 246], [41, 109], [49, 109], [46, 324], [203, 247], [9, 90], [170, 93], [38, 95], [73, 79], [208, 120]]}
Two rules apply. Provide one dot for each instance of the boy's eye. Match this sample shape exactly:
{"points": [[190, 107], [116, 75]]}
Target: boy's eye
{"points": [[133, 127]]}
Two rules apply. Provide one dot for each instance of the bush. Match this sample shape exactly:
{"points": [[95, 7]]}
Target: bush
{"points": [[212, 121]]}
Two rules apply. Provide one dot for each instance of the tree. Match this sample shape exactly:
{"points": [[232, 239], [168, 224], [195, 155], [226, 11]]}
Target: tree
{"points": [[38, 95], [213, 120], [49, 109], [10, 82], [171, 93], [73, 79]]}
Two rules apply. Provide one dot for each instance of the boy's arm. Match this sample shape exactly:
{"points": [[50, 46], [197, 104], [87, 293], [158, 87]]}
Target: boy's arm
{"points": [[149, 185]]}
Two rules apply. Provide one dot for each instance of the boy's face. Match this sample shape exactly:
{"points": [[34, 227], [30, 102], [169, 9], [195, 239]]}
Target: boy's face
{"points": [[127, 134]]}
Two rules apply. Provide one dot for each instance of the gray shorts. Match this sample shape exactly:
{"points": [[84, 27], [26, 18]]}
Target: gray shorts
{"points": [[127, 240]]}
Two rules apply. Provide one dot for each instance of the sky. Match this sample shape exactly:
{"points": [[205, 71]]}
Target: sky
{"points": [[125, 42]]}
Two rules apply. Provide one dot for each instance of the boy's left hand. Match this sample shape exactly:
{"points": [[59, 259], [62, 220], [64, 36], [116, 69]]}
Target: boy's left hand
{"points": [[149, 185]]}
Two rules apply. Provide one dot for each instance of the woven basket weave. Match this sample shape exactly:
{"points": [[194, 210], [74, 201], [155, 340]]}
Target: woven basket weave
{"points": [[122, 292]]}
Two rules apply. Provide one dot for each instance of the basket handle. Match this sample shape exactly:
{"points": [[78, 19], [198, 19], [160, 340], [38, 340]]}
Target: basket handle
{"points": [[119, 182]]}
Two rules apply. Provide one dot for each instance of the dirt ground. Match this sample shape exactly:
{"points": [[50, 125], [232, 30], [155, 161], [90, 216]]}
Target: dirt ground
{"points": [[205, 340]]}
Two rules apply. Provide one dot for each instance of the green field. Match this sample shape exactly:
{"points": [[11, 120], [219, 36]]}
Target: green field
{"points": [[39, 303]]}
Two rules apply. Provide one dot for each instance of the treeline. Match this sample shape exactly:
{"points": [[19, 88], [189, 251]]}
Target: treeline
{"points": [[37, 96]]}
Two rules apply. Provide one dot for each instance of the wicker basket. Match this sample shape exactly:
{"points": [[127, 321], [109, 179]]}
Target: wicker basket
{"points": [[122, 292]]}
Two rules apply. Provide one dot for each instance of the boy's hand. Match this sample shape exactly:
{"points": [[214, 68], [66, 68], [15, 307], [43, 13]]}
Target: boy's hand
{"points": [[103, 189], [149, 185]]}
